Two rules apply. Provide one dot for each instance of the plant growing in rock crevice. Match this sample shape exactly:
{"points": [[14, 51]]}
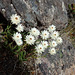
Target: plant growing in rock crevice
{"points": [[30, 44]]}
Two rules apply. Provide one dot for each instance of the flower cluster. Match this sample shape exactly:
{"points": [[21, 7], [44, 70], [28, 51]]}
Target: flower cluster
{"points": [[56, 39], [40, 39], [15, 19], [18, 38]]}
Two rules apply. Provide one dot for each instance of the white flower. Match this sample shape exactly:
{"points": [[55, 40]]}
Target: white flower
{"points": [[15, 19], [20, 28], [17, 36], [52, 51], [53, 44], [54, 34], [59, 40], [45, 34], [45, 44], [35, 32], [39, 48], [37, 42], [52, 28], [19, 42], [30, 39]]}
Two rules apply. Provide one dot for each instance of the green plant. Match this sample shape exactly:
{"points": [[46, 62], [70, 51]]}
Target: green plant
{"points": [[72, 8], [27, 44]]}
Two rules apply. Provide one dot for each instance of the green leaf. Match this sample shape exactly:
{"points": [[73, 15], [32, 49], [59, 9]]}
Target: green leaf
{"points": [[20, 58], [6, 42], [14, 47], [24, 59], [22, 55], [19, 48], [48, 46], [61, 55], [15, 53], [73, 11], [70, 7]]}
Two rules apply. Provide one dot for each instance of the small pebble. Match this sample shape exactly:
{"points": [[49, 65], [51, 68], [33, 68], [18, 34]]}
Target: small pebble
{"points": [[11, 4], [52, 65], [3, 10]]}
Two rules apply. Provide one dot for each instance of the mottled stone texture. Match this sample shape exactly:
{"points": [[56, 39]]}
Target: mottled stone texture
{"points": [[40, 13], [62, 60]]}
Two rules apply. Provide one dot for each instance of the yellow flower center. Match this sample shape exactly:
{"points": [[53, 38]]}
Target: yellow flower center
{"points": [[53, 43], [52, 50], [16, 18], [34, 31], [30, 38], [55, 34], [17, 36], [44, 44], [45, 34], [19, 41], [51, 27], [59, 40], [40, 48]]}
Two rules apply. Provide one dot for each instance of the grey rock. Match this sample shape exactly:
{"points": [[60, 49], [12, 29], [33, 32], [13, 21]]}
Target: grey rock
{"points": [[37, 13], [60, 63]]}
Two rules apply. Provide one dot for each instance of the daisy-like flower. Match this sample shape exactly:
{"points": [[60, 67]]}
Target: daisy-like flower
{"points": [[39, 48], [45, 34], [52, 51], [59, 40], [35, 32], [20, 28], [19, 42], [53, 44], [52, 28], [17, 36], [30, 39], [45, 44], [15, 19], [54, 34]]}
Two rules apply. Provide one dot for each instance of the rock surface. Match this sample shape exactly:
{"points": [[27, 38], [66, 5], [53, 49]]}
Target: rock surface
{"points": [[40, 13], [62, 60]]}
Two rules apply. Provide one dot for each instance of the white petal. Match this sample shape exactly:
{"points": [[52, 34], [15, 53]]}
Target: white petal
{"points": [[35, 32], [53, 44], [59, 40], [20, 28], [39, 48], [30, 39], [17, 36], [52, 51], [15, 19], [45, 44], [52, 28], [19, 42], [45, 34], [54, 34]]}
